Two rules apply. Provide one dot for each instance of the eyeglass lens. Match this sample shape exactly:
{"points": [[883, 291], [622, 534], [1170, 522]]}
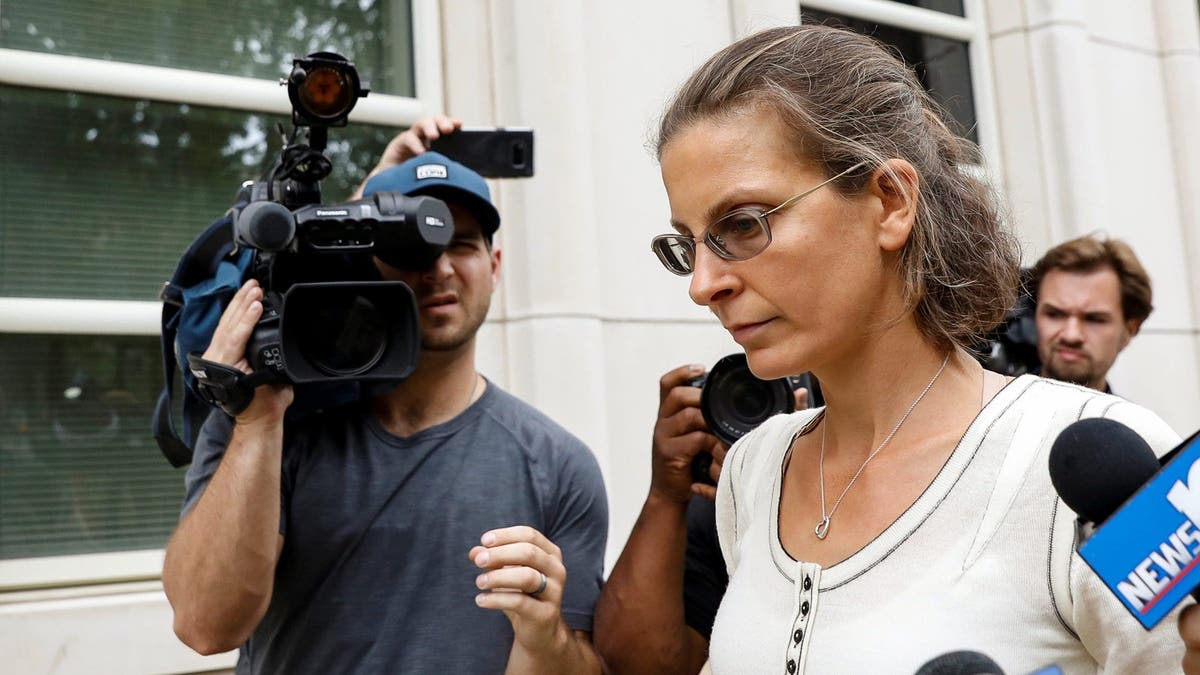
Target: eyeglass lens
{"points": [[675, 252], [739, 235]]}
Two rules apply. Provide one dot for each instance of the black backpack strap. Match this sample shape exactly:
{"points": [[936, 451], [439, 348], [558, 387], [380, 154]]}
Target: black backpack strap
{"points": [[198, 262], [175, 450]]}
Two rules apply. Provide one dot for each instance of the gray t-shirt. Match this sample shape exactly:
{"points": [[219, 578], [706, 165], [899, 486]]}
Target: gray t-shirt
{"points": [[374, 574]]}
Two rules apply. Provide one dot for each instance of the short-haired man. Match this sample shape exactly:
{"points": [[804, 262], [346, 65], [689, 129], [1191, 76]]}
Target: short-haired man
{"points": [[359, 539], [1092, 297]]}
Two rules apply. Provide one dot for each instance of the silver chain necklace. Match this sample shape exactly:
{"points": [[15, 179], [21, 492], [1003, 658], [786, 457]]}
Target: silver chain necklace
{"points": [[822, 529]]}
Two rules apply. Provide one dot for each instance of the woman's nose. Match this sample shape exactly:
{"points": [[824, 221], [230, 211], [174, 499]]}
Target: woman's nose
{"points": [[712, 279]]}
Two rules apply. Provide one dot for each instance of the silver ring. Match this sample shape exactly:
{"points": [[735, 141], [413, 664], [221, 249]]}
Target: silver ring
{"points": [[540, 588]]}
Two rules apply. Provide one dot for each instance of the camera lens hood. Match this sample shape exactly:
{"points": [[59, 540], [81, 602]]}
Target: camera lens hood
{"points": [[734, 401], [348, 330]]}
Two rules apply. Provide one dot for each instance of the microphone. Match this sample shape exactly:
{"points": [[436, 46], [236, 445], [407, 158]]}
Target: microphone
{"points": [[964, 662], [968, 662], [1096, 464], [1146, 542], [265, 225]]}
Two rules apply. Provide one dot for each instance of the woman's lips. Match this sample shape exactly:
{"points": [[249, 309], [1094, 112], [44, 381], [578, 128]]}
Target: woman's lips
{"points": [[743, 332]]}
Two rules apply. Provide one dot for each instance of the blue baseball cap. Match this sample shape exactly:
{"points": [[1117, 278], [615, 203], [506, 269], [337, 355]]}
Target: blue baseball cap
{"points": [[436, 175]]}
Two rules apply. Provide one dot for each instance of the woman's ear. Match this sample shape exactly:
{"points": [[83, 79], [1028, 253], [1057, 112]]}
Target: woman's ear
{"points": [[896, 185]]}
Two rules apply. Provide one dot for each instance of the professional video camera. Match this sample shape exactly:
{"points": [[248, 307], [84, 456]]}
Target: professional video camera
{"points": [[327, 315]]}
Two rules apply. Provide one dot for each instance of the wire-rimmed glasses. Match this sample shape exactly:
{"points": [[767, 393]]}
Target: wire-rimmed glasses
{"points": [[740, 234]]}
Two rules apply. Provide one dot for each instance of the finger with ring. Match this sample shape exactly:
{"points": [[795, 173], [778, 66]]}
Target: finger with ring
{"points": [[540, 588]]}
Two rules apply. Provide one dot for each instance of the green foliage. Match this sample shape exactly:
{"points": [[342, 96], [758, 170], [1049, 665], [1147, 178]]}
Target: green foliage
{"points": [[99, 195]]}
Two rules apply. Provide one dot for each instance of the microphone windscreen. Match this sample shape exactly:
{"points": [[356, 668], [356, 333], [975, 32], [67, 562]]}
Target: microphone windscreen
{"points": [[961, 663], [1096, 464], [268, 226]]}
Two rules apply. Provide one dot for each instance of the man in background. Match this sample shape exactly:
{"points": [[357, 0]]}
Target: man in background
{"points": [[1092, 297]]}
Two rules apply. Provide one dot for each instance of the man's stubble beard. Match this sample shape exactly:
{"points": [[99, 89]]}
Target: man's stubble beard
{"points": [[1082, 377], [438, 340]]}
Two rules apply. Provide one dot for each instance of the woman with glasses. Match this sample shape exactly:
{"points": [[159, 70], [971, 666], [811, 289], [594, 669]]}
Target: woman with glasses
{"points": [[833, 223]]}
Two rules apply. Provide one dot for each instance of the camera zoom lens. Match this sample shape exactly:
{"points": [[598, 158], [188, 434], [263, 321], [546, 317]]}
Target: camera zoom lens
{"points": [[734, 401], [751, 400], [340, 337]]}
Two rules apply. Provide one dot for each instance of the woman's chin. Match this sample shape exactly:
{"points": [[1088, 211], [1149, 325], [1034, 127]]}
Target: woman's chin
{"points": [[767, 366]]}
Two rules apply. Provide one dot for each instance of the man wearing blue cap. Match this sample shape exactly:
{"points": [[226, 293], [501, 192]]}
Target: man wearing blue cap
{"points": [[381, 536]]}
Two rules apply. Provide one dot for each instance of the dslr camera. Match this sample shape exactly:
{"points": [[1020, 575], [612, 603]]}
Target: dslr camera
{"points": [[734, 401], [328, 317]]}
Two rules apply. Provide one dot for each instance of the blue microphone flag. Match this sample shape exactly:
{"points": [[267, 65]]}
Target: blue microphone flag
{"points": [[1148, 551]]}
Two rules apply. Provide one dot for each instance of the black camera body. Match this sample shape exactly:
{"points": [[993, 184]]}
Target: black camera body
{"points": [[734, 401], [1011, 348], [327, 314]]}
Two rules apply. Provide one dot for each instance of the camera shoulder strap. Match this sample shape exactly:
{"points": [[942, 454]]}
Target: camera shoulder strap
{"points": [[207, 274]]}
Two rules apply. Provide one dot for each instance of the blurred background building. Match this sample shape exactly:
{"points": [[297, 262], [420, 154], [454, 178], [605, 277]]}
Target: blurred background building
{"points": [[127, 125]]}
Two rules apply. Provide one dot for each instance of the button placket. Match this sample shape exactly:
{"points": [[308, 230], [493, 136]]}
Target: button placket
{"points": [[804, 602]]}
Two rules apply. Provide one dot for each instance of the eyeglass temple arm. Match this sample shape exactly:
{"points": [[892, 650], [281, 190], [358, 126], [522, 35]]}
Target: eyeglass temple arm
{"points": [[816, 187]]}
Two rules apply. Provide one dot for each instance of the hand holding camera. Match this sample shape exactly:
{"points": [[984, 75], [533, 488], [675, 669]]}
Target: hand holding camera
{"points": [[410, 143], [228, 347], [700, 415], [492, 152], [680, 435]]}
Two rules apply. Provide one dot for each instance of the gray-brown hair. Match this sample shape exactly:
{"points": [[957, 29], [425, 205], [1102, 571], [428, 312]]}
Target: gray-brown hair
{"points": [[846, 100]]}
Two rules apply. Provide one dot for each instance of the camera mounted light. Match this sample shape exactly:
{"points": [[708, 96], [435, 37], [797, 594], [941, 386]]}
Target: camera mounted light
{"points": [[323, 88]]}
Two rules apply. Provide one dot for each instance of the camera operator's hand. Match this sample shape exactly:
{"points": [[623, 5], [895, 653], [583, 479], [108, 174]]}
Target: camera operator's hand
{"points": [[228, 346], [719, 450], [680, 434], [676, 443], [524, 577], [412, 142]]}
